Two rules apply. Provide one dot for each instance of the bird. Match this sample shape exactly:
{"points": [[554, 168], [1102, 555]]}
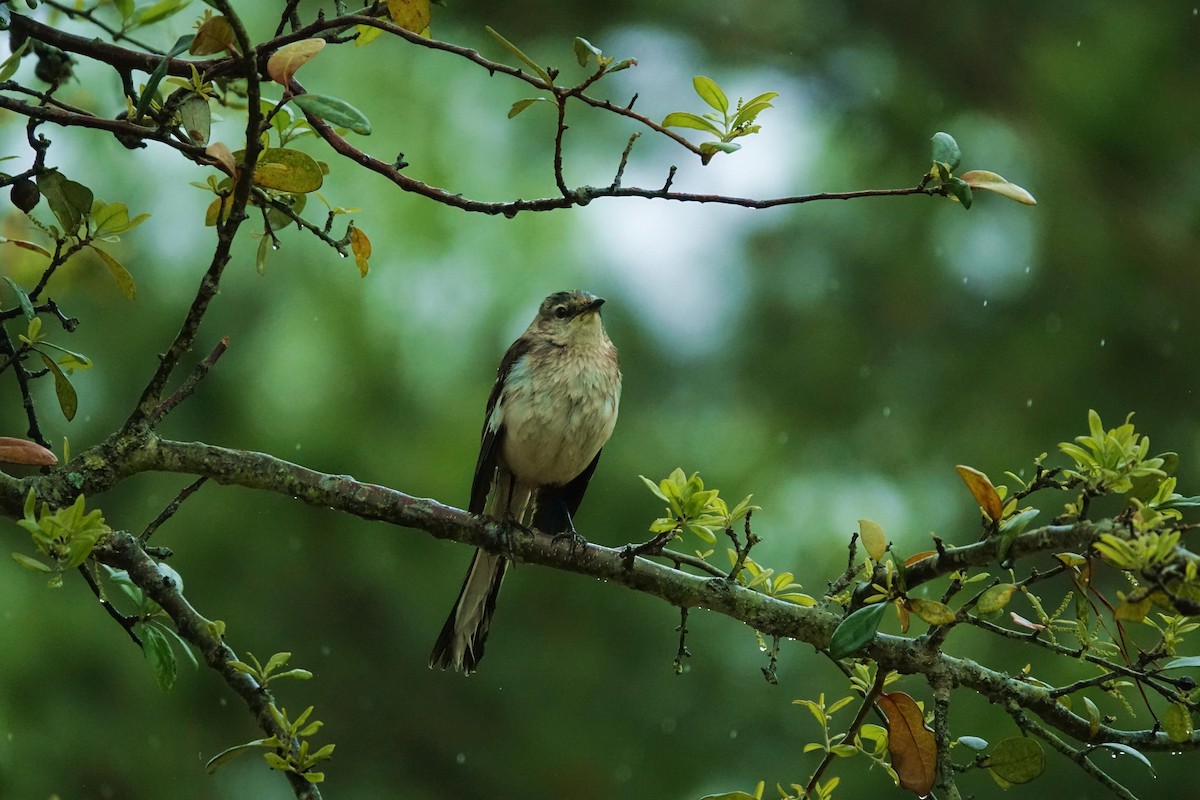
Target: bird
{"points": [[551, 411]]}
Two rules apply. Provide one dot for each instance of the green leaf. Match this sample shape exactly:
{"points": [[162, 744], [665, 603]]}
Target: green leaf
{"points": [[120, 274], [960, 191], [335, 111], [260, 256], [855, 631], [30, 563], [711, 93], [1017, 760], [710, 149], [584, 50], [160, 11], [160, 72], [8, 67], [68, 401], [1129, 751], [516, 51], [70, 201], [995, 598], [110, 219], [624, 63], [158, 652], [23, 299], [195, 116], [1180, 663], [287, 171], [228, 755], [521, 105], [683, 119], [945, 150], [1177, 722]]}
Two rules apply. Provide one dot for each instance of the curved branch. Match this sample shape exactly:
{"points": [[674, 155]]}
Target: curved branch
{"points": [[140, 451]]}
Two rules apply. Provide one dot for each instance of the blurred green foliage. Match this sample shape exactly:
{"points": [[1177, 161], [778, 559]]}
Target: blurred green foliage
{"points": [[836, 359]]}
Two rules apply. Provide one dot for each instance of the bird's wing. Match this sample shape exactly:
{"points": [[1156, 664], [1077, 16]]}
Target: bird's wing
{"points": [[492, 439], [556, 505]]}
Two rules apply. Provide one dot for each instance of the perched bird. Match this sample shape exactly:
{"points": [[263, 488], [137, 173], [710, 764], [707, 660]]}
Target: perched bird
{"points": [[553, 407]]}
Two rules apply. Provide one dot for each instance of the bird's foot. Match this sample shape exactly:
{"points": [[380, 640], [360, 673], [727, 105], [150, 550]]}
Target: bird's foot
{"points": [[510, 524], [572, 538]]}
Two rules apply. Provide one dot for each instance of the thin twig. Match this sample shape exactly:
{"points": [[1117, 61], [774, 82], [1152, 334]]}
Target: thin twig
{"points": [[171, 508]]}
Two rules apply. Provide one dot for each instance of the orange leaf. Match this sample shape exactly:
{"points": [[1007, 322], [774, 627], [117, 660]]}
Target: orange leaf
{"points": [[981, 488], [21, 451], [921, 556], [284, 62], [910, 743]]}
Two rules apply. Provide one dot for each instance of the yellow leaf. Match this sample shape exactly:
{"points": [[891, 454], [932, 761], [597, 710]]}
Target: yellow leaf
{"points": [[995, 598], [983, 491], [910, 743], [284, 62], [982, 179], [412, 15], [366, 34], [932, 611], [360, 245], [217, 209], [873, 539], [120, 274]]}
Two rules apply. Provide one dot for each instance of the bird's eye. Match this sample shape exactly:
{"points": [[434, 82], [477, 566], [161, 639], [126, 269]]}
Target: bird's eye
{"points": [[560, 312]]}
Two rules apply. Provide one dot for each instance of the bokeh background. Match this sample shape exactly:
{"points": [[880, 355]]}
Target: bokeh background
{"points": [[837, 359]]}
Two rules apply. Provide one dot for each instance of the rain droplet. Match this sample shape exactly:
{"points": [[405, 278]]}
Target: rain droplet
{"points": [[733, 734], [460, 759], [1078, 43], [1102, 343], [985, 302], [887, 411], [1029, 403]]}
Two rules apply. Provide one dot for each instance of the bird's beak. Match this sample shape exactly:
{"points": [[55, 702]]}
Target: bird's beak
{"points": [[594, 306]]}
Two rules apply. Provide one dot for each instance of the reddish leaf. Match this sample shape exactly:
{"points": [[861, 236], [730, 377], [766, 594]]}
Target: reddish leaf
{"points": [[921, 556], [910, 743], [1024, 623], [21, 451], [282, 65]]}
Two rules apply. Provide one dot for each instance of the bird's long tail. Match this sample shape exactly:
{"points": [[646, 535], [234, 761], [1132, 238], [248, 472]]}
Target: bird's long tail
{"points": [[460, 644]]}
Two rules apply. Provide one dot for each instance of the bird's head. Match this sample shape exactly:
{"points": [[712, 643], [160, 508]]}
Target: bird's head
{"points": [[570, 317]]}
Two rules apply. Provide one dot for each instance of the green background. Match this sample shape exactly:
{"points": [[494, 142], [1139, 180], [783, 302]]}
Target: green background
{"points": [[837, 359]]}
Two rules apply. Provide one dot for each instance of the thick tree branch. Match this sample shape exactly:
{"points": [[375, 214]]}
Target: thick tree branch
{"points": [[140, 451]]}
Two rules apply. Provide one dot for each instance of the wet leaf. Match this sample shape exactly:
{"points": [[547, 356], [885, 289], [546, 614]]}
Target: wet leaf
{"points": [[219, 152], [1180, 663], [30, 563], [160, 72], [285, 61], [1017, 760], [974, 742], [982, 490], [335, 111], [159, 654], [910, 742], [982, 179], [584, 50], [23, 451], [855, 631], [1129, 751]]}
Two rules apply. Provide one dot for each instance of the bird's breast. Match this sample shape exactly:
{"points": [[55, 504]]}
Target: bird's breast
{"points": [[558, 409]]}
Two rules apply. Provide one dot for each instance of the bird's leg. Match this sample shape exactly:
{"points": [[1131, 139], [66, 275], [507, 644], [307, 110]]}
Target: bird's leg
{"points": [[570, 535]]}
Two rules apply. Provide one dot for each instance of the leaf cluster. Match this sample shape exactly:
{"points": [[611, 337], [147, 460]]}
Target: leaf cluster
{"points": [[724, 122], [66, 536]]}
